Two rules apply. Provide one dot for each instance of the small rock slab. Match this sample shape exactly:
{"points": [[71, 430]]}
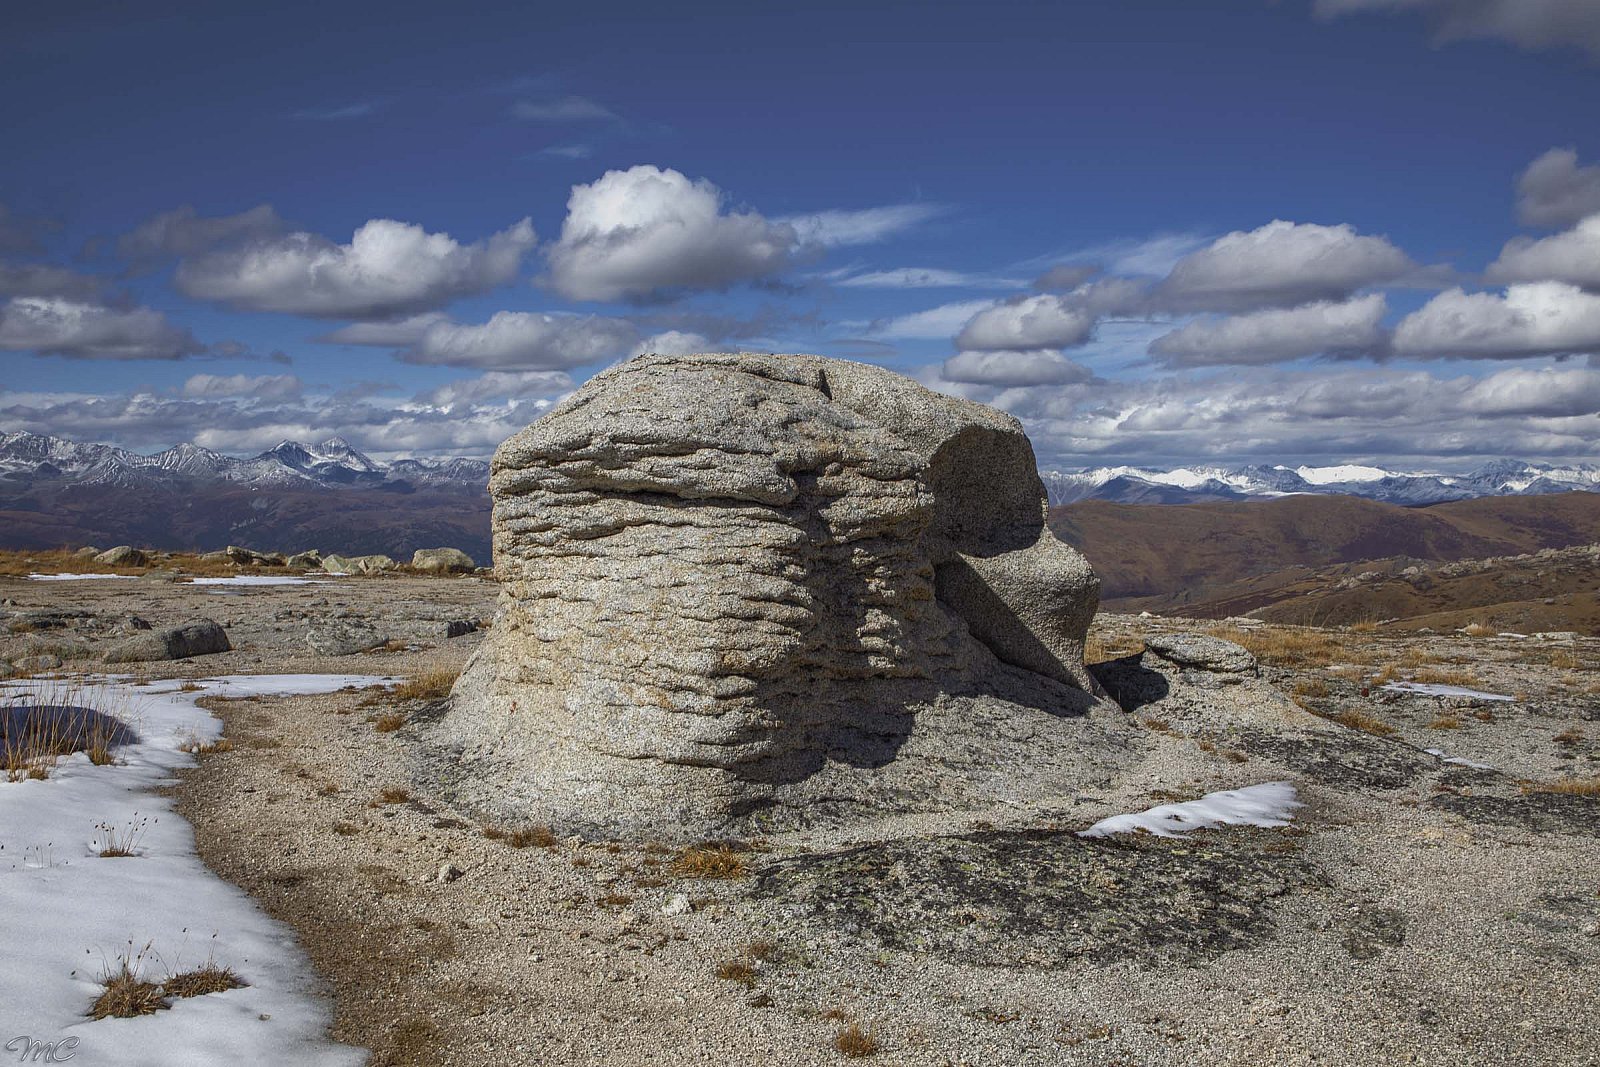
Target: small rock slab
{"points": [[1202, 652], [201, 637], [345, 638], [122, 556]]}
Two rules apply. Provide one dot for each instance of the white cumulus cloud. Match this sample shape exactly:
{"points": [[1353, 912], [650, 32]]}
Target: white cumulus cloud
{"points": [[1042, 321], [523, 340], [78, 330], [1573, 256], [388, 268], [1554, 191], [1536, 319], [842, 228], [1277, 334], [1009, 370], [645, 230], [1280, 264]]}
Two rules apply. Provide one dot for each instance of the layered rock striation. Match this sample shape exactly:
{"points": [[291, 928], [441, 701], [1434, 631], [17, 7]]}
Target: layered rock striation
{"points": [[745, 590]]}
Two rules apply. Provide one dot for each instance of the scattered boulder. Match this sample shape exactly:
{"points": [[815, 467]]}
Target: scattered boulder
{"points": [[357, 564], [748, 591], [249, 557], [1202, 652], [460, 628], [6, 669], [48, 661], [214, 557], [122, 556], [87, 552], [442, 561], [344, 637], [200, 637], [305, 561]]}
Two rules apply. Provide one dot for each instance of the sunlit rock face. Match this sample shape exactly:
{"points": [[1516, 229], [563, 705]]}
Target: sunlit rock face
{"points": [[747, 591]]}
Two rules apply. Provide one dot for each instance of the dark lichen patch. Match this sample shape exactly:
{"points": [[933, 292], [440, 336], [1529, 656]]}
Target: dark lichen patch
{"points": [[1347, 758], [1047, 898], [1545, 813], [1370, 931]]}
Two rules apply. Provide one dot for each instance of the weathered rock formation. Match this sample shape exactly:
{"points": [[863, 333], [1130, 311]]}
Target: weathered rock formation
{"points": [[763, 590], [199, 637]]}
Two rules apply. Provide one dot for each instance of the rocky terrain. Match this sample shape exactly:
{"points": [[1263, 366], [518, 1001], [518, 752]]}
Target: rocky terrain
{"points": [[785, 731], [1417, 910]]}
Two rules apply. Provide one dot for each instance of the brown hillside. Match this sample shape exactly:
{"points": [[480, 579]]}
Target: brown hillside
{"points": [[1163, 558]]}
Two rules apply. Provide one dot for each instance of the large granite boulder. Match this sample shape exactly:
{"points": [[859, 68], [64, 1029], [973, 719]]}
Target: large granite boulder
{"points": [[199, 637], [744, 591], [442, 561]]}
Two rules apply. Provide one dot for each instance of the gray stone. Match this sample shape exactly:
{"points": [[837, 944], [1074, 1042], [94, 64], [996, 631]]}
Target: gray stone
{"points": [[357, 564], [743, 591], [249, 557], [199, 637], [214, 557], [87, 552], [1202, 652], [460, 628], [122, 556], [32, 664], [344, 637], [6, 669], [305, 561], [442, 561]]}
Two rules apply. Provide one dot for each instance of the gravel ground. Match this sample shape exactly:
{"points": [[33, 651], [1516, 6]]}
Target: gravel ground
{"points": [[1417, 912]]}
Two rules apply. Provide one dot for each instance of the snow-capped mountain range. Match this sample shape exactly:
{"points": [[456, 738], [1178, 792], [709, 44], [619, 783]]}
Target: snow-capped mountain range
{"points": [[1187, 485], [28, 459]]}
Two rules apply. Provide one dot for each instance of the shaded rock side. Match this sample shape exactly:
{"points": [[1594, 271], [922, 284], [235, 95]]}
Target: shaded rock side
{"points": [[201, 637], [751, 590]]}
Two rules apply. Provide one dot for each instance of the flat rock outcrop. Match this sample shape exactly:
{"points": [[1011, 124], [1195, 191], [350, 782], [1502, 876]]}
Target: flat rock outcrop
{"points": [[743, 591]]}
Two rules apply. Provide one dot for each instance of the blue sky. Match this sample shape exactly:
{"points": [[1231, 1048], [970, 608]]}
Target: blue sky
{"points": [[1330, 231]]}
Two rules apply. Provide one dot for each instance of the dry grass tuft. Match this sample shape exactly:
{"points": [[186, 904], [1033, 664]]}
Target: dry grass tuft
{"points": [[202, 980], [394, 794], [710, 861], [1478, 629], [1360, 720], [1311, 687], [429, 685], [1573, 787], [1279, 647], [737, 971], [855, 1042], [1446, 676], [1570, 736], [1445, 722], [1365, 626], [127, 995], [1563, 660], [523, 836], [127, 992], [388, 722]]}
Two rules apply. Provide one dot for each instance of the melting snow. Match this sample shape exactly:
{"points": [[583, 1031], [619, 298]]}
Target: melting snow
{"points": [[75, 577], [1429, 689], [68, 913], [1457, 759], [259, 579], [1268, 804]]}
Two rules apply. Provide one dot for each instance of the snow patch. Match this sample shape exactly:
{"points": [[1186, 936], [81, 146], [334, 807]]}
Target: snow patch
{"points": [[1350, 472], [1268, 804], [1429, 689], [74, 577], [259, 579], [71, 913], [1458, 760]]}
